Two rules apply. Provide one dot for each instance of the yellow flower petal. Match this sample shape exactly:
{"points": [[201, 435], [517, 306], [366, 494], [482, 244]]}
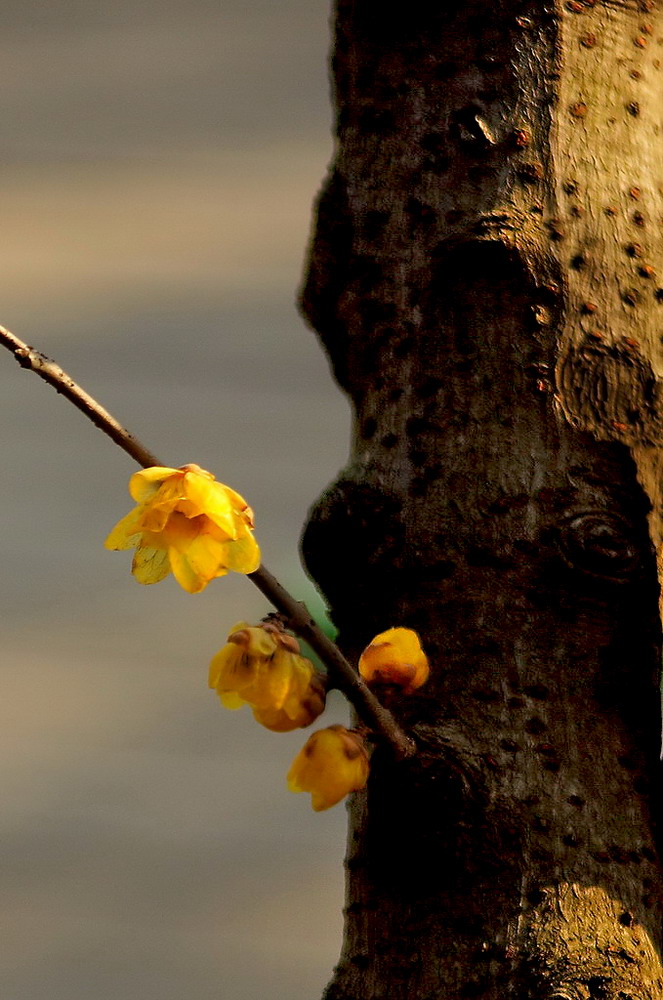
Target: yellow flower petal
{"points": [[222, 662], [154, 518], [126, 533], [207, 556], [272, 681], [144, 484], [231, 669], [264, 683], [185, 574], [303, 677], [243, 556], [150, 565], [239, 627], [180, 531], [231, 700], [291, 716], [212, 499], [276, 720]]}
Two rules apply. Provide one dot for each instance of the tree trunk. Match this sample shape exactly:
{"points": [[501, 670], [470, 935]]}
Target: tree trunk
{"points": [[483, 276]]}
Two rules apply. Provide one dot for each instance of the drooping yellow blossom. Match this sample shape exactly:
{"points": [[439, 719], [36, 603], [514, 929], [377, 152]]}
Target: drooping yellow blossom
{"points": [[262, 666], [242, 669], [304, 703], [395, 657], [332, 763], [188, 524]]}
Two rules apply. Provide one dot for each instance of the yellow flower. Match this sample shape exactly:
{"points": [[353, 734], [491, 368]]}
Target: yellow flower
{"points": [[261, 666], [188, 524], [304, 702], [241, 671], [395, 657], [332, 763]]}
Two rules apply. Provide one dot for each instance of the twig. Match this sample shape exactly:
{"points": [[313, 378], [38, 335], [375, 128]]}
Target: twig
{"points": [[27, 357], [367, 706], [351, 684]]}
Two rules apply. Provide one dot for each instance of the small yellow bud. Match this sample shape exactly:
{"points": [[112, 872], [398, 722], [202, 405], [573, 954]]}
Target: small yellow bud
{"points": [[395, 657], [332, 763]]}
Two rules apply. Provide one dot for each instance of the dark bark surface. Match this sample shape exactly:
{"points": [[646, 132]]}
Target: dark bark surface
{"points": [[483, 276]]}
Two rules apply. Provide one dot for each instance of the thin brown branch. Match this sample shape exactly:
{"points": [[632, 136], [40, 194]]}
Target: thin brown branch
{"points": [[51, 372], [368, 708]]}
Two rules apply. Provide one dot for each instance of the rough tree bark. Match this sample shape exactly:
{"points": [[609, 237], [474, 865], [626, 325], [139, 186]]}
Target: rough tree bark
{"points": [[484, 278]]}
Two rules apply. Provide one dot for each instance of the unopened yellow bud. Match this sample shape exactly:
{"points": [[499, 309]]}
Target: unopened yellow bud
{"points": [[332, 763], [395, 657]]}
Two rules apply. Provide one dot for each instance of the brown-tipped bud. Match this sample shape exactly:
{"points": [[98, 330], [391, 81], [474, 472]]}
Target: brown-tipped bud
{"points": [[395, 657]]}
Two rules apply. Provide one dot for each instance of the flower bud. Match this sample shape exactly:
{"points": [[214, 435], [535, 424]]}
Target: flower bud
{"points": [[332, 763], [395, 657]]}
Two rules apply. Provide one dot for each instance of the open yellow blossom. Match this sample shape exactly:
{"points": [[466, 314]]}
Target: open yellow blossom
{"points": [[188, 524], [395, 657], [261, 666], [332, 763]]}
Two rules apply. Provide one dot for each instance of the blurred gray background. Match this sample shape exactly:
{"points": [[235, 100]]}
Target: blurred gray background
{"points": [[158, 162]]}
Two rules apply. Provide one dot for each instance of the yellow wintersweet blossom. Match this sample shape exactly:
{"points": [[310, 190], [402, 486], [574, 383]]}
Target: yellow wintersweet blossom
{"points": [[241, 670], [261, 665], [188, 524], [303, 704], [332, 763], [395, 657]]}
